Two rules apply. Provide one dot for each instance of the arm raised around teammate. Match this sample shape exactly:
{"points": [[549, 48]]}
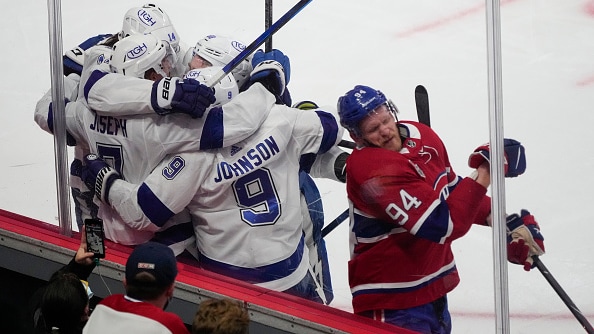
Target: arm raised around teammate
{"points": [[220, 126], [75, 131], [165, 192], [117, 95]]}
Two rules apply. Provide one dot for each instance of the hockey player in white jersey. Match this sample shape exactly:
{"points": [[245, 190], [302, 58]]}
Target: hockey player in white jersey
{"points": [[215, 49], [136, 144], [244, 199], [115, 94]]}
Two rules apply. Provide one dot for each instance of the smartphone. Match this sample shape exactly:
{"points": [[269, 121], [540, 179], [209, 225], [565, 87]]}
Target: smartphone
{"points": [[95, 237]]}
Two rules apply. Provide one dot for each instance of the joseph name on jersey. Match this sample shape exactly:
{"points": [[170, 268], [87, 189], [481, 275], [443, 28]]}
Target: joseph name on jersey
{"points": [[109, 125]]}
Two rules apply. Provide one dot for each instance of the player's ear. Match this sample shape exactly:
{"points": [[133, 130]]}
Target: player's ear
{"points": [[358, 140]]}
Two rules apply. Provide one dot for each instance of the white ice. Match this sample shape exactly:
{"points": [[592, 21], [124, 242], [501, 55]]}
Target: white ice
{"points": [[548, 88]]}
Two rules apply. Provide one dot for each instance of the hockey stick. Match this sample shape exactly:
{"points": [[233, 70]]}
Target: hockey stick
{"points": [[268, 23], [347, 144], [564, 297], [337, 221], [257, 42], [422, 103]]}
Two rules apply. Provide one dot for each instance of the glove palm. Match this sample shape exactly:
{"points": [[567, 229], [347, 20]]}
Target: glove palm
{"points": [[524, 239]]}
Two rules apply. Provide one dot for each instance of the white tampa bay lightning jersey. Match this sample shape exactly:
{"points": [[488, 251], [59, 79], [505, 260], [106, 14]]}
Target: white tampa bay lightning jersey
{"points": [[244, 198], [134, 145]]}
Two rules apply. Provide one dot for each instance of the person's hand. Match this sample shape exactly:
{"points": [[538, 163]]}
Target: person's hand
{"points": [[524, 239], [188, 96], [272, 69], [82, 256], [97, 175], [515, 157]]}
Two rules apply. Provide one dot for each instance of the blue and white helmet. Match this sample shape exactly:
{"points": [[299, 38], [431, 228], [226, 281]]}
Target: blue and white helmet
{"points": [[136, 54], [225, 90], [150, 19], [359, 102], [220, 50]]}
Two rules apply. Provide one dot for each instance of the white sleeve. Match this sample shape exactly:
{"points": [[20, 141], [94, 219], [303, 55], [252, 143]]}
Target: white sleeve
{"points": [[219, 127], [122, 196], [167, 190], [41, 115], [118, 95], [316, 131], [246, 113], [112, 93], [323, 166]]}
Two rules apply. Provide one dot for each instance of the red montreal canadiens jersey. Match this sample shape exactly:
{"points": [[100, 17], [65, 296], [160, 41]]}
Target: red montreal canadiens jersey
{"points": [[406, 209]]}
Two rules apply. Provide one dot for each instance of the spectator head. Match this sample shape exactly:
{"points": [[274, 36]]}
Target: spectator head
{"points": [[64, 304], [221, 316], [150, 272]]}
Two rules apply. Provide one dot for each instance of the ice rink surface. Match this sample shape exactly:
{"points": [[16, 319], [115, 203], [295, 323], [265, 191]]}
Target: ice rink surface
{"points": [[548, 90]]}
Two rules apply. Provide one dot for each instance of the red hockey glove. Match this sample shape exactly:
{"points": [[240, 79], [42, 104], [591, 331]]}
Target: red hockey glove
{"points": [[524, 239], [515, 157]]}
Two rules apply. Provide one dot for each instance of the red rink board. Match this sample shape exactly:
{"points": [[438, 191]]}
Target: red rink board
{"points": [[202, 279]]}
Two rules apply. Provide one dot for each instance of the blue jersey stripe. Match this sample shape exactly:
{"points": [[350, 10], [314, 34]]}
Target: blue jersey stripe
{"points": [[394, 290], [213, 138], [95, 76], [152, 206], [261, 274], [330, 130]]}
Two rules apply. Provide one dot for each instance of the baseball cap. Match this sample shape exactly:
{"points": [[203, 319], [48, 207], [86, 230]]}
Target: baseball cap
{"points": [[154, 258]]}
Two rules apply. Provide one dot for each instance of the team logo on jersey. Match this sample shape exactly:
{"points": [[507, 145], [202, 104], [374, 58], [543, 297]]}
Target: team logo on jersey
{"points": [[235, 149], [102, 59]]}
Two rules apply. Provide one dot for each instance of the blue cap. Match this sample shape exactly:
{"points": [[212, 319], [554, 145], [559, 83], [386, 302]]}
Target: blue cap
{"points": [[153, 258]]}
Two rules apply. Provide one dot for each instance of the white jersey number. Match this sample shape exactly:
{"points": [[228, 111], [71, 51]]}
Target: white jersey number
{"points": [[399, 215]]}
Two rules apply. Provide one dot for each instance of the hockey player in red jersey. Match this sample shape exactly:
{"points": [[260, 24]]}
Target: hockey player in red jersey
{"points": [[407, 206]]}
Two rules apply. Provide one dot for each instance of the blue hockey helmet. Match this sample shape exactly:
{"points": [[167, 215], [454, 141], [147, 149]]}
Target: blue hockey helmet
{"points": [[359, 102]]}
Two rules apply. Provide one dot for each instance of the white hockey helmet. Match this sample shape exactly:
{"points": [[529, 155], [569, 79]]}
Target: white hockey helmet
{"points": [[150, 19], [220, 50], [136, 54], [225, 90]]}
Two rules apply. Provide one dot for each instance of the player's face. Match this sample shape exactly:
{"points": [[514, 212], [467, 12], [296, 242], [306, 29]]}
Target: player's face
{"points": [[199, 62], [167, 65], [379, 129]]}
